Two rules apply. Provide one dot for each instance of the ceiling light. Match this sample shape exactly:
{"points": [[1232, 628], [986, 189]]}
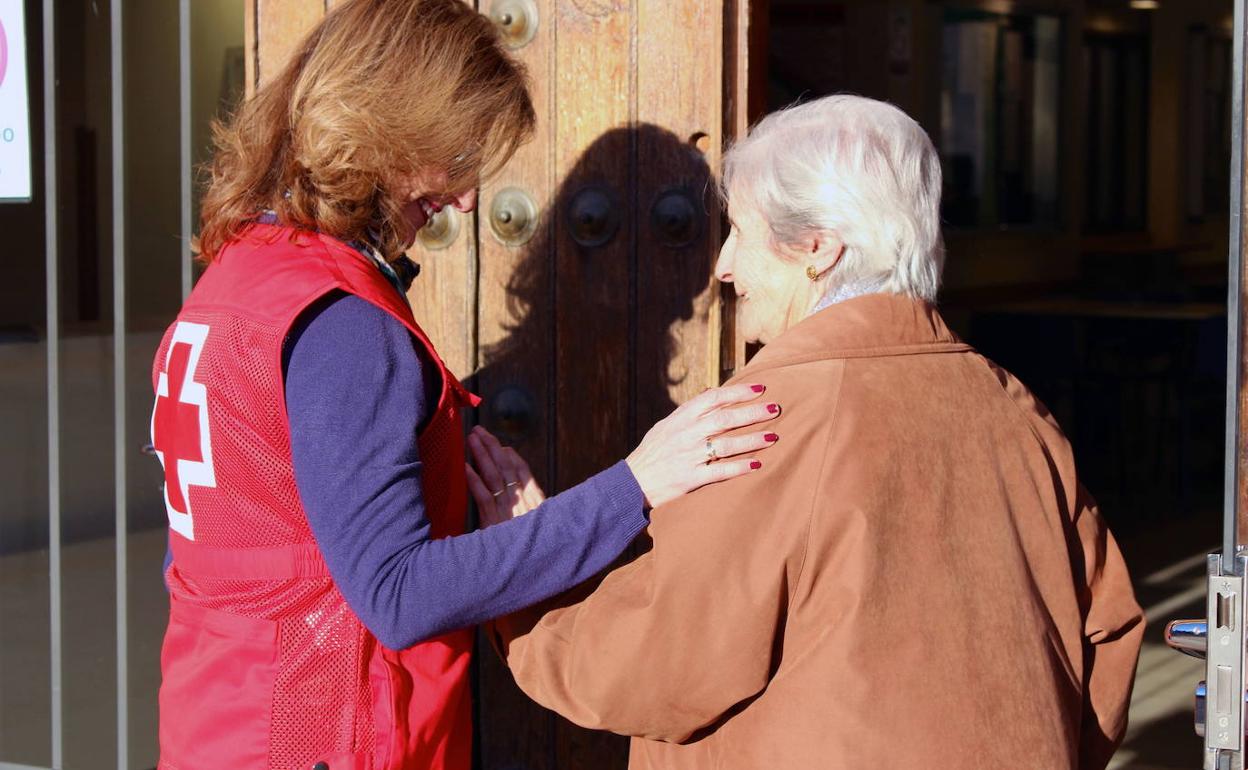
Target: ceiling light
{"points": [[1145, 5]]}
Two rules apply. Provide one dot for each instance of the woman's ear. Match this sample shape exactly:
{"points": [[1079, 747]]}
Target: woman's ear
{"points": [[824, 251]]}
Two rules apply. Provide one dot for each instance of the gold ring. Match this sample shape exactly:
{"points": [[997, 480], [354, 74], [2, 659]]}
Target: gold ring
{"points": [[511, 484], [499, 492]]}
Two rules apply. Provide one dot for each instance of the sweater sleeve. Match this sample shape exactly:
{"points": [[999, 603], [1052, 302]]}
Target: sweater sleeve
{"points": [[357, 390]]}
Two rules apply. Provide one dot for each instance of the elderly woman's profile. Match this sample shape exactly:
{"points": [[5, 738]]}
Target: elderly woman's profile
{"points": [[917, 579]]}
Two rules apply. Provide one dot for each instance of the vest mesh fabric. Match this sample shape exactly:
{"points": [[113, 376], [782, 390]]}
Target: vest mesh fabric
{"points": [[251, 439], [322, 649], [327, 656], [322, 700]]}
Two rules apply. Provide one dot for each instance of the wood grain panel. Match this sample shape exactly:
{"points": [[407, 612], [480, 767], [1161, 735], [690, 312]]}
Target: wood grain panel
{"points": [[745, 25], [444, 296], [251, 48], [517, 283], [594, 151], [595, 72], [280, 25], [679, 106], [516, 289]]}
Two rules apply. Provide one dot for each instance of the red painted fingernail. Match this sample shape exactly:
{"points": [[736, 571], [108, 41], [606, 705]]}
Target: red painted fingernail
{"points": [[757, 388], [755, 465], [771, 438], [773, 408]]}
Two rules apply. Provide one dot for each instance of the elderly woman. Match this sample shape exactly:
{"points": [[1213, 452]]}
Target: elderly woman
{"points": [[938, 591]]}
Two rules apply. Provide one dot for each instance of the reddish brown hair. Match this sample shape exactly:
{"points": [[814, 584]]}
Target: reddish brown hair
{"points": [[378, 92]]}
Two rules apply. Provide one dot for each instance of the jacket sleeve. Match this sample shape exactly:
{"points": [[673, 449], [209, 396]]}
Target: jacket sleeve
{"points": [[1113, 629], [667, 644]]}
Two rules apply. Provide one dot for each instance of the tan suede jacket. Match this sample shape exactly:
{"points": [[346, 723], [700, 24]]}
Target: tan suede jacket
{"points": [[914, 579]]}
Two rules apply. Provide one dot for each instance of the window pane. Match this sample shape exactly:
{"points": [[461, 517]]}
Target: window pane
{"points": [[25, 629], [1000, 118]]}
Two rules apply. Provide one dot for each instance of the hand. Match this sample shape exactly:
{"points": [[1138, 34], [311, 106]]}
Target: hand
{"points": [[681, 452], [505, 487]]}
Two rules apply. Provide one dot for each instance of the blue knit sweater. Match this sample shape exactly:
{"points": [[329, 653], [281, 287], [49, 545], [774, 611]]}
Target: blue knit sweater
{"points": [[358, 389]]}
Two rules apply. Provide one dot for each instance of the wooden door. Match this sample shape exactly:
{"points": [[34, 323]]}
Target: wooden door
{"points": [[578, 300]]}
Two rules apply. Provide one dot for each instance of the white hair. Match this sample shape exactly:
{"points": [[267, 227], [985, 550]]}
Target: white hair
{"points": [[856, 167]]}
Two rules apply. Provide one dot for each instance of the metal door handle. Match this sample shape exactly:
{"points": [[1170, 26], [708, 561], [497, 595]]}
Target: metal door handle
{"points": [[441, 230], [592, 216], [516, 19], [1218, 639], [513, 216], [1190, 637], [675, 219], [513, 413]]}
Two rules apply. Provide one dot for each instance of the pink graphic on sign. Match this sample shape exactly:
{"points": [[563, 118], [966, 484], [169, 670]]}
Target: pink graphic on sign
{"points": [[4, 53]]}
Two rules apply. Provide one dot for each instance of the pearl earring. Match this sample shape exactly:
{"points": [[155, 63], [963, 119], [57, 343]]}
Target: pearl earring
{"points": [[812, 273]]}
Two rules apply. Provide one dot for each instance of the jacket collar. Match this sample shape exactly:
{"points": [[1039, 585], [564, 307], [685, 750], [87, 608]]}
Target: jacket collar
{"points": [[868, 326]]}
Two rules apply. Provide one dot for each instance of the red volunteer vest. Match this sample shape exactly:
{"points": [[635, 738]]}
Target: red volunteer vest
{"points": [[264, 666]]}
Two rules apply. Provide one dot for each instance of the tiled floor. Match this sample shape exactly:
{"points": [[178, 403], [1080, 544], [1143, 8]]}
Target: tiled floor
{"points": [[1166, 560], [90, 645], [1168, 566]]}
